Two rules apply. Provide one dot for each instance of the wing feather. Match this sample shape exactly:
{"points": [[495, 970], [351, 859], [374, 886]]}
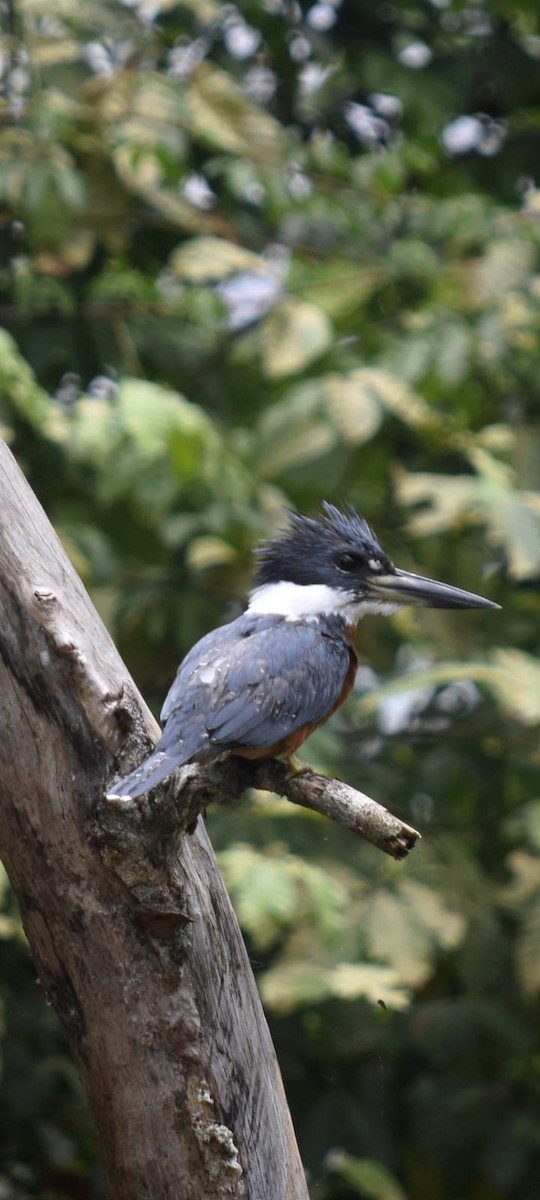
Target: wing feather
{"points": [[252, 683], [282, 679], [249, 684]]}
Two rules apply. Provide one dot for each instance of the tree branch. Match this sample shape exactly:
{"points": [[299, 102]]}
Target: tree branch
{"points": [[194, 788], [341, 803]]}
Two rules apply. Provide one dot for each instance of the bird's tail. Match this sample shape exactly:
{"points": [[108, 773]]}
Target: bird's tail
{"points": [[151, 772]]}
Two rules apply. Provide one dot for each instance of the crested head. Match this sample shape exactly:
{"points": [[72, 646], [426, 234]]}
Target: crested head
{"points": [[326, 549], [333, 564]]}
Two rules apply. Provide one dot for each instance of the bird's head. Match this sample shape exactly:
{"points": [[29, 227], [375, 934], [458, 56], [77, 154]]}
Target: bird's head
{"points": [[333, 563]]}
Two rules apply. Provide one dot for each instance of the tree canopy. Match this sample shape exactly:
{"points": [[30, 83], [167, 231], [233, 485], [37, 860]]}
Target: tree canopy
{"points": [[263, 255]]}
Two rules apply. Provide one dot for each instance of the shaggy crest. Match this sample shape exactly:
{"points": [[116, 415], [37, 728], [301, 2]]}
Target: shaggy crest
{"points": [[312, 542]]}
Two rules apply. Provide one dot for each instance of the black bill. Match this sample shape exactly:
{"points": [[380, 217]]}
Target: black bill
{"points": [[406, 588]]}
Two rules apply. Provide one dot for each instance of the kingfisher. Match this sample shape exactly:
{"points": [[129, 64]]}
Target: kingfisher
{"points": [[260, 685]]}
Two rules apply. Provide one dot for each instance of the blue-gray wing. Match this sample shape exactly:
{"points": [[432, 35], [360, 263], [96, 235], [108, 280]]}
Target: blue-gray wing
{"points": [[256, 681], [249, 684]]}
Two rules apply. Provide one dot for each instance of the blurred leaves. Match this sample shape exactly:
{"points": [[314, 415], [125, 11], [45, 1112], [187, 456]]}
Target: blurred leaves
{"points": [[208, 259], [19, 390], [223, 117], [294, 335], [516, 681], [280, 897], [273, 892], [266, 255], [512, 676], [406, 927], [294, 985], [10, 925], [366, 1176], [511, 517]]}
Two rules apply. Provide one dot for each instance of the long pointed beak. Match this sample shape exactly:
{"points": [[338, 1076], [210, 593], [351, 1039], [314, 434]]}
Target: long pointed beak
{"points": [[406, 588]]}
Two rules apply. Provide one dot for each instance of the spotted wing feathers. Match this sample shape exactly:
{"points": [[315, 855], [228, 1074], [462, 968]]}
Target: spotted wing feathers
{"points": [[248, 684]]}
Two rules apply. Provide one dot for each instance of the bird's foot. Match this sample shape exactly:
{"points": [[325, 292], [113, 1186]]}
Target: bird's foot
{"points": [[294, 765]]}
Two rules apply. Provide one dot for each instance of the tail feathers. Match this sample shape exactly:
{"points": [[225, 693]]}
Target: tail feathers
{"points": [[151, 772]]}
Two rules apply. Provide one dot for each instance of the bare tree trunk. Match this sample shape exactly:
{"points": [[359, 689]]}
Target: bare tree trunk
{"points": [[131, 928]]}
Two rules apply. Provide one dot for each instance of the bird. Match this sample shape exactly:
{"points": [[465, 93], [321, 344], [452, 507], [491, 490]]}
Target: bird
{"points": [[258, 686]]}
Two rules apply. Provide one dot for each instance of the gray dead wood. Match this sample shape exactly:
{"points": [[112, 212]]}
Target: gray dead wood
{"points": [[130, 926], [195, 788]]}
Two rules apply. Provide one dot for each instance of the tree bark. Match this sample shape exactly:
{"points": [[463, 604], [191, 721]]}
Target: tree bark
{"points": [[129, 923], [229, 776]]}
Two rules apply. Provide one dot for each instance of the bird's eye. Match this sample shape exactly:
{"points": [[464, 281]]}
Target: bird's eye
{"points": [[347, 562]]}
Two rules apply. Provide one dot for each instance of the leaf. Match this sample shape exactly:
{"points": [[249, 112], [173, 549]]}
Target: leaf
{"points": [[505, 265], [512, 676], [263, 892], [222, 115], [208, 259], [207, 552], [453, 352], [295, 431], [367, 1177], [94, 431], [142, 173], [512, 517], [416, 682], [441, 506], [336, 286], [515, 521], [396, 939], [380, 984], [205, 10], [394, 395], [153, 439], [146, 110], [74, 255], [18, 385], [353, 407], [430, 907], [327, 897], [515, 680], [151, 415], [525, 881], [70, 186], [407, 926], [47, 52], [294, 335], [293, 985], [303, 426], [270, 892], [524, 825], [528, 946]]}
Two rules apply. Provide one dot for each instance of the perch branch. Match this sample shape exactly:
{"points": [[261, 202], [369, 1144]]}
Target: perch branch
{"points": [[194, 788], [340, 803]]}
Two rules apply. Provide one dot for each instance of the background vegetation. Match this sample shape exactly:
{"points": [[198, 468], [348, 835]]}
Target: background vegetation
{"points": [[273, 253]]}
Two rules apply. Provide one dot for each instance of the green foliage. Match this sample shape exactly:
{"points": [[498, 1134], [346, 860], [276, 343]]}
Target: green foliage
{"points": [[274, 892], [255, 256], [366, 1177]]}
